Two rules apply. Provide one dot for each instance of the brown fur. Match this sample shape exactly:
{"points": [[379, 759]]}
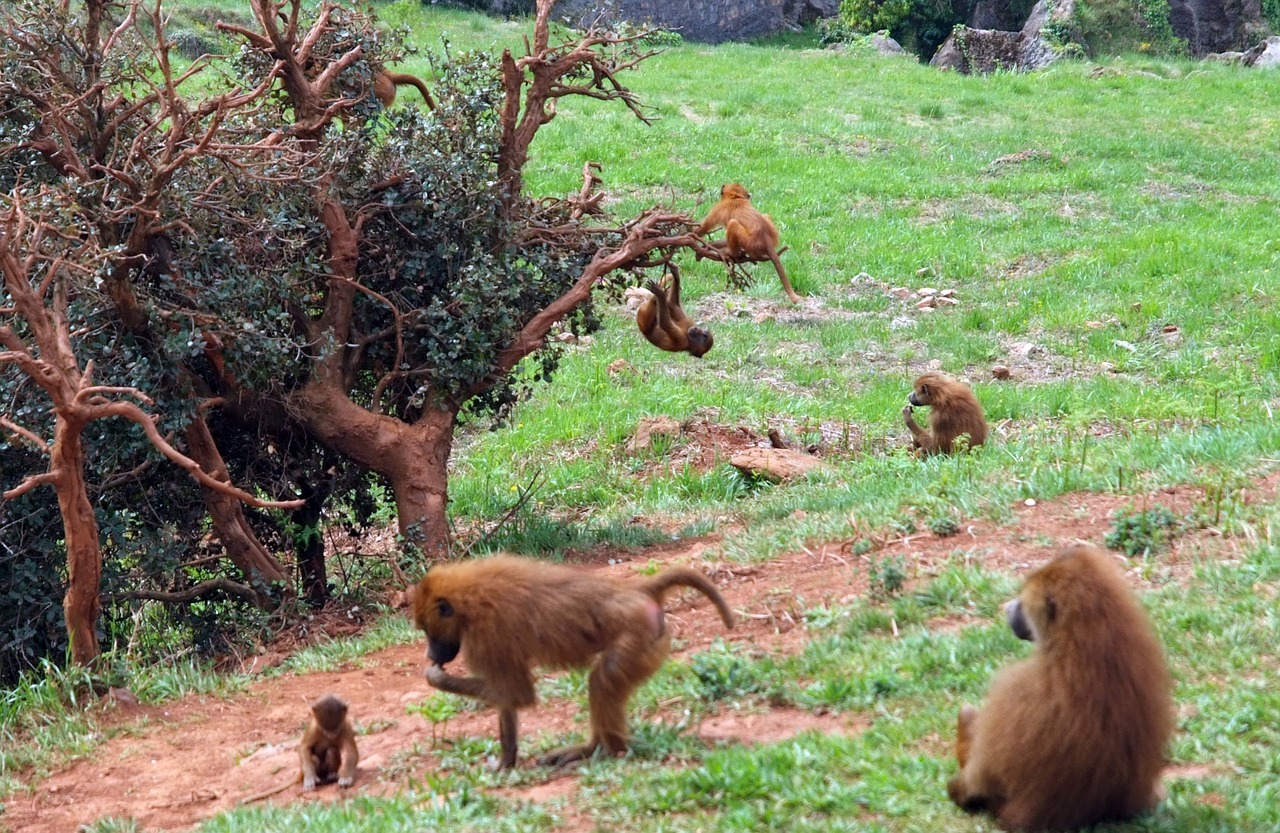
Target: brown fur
{"points": [[510, 614], [662, 320], [1075, 734], [328, 747], [385, 83], [749, 236], [954, 412], [327, 750]]}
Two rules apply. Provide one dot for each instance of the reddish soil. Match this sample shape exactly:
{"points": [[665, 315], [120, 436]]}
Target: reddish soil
{"points": [[171, 766]]}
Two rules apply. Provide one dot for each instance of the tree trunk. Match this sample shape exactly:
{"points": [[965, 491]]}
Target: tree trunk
{"points": [[421, 483], [244, 549], [413, 457], [81, 604], [308, 544]]}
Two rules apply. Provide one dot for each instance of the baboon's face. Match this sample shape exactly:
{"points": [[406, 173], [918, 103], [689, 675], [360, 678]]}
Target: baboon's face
{"points": [[1032, 613], [921, 395], [700, 341], [435, 616], [734, 191]]}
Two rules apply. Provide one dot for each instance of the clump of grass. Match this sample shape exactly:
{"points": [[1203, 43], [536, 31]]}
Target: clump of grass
{"points": [[888, 575], [943, 526], [1141, 533]]}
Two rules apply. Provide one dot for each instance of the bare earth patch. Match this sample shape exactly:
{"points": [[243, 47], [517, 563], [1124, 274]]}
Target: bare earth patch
{"points": [[174, 765]]}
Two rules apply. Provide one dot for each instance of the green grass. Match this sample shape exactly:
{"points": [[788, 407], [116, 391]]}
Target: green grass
{"points": [[1151, 200]]}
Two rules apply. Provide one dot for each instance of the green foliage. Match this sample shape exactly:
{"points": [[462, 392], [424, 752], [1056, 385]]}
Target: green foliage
{"points": [[1141, 533], [868, 16], [723, 673], [1110, 27], [1271, 12], [887, 576]]}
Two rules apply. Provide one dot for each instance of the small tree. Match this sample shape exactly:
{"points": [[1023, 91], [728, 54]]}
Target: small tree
{"points": [[40, 264]]}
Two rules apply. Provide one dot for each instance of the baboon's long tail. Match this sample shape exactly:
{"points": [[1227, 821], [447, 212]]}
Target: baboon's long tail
{"points": [[688, 577], [782, 273]]}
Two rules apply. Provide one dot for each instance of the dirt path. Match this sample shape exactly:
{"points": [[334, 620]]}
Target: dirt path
{"points": [[180, 763]]}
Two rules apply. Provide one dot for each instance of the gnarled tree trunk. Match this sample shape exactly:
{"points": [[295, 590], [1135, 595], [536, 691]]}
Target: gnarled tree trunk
{"points": [[81, 604]]}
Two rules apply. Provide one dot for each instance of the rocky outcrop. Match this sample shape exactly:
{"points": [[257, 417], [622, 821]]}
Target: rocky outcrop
{"points": [[982, 51], [1265, 55], [1216, 25], [704, 21]]}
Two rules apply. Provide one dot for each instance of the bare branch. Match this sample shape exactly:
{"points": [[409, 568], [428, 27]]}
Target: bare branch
{"points": [[192, 593], [24, 434], [136, 415], [30, 483]]}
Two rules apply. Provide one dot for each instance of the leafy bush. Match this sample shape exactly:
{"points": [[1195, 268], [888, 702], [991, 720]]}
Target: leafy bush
{"points": [[1140, 533]]}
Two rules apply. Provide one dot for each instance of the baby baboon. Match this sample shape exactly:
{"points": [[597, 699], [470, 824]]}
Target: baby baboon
{"points": [[328, 747], [1075, 734], [510, 614], [749, 236], [662, 320], [954, 412]]}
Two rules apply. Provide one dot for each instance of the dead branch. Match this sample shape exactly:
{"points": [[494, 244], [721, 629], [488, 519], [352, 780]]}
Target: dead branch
{"points": [[204, 588]]}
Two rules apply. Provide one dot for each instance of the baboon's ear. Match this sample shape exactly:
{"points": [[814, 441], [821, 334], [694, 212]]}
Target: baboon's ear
{"points": [[924, 389], [444, 608]]}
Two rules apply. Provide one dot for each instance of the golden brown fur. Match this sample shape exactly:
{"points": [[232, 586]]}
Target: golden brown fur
{"points": [[662, 320], [327, 750], [1075, 734], [385, 83], [510, 614], [749, 236], [954, 412], [328, 747]]}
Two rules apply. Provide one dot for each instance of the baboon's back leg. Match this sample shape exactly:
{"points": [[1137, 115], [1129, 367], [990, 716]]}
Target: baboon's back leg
{"points": [[620, 671]]}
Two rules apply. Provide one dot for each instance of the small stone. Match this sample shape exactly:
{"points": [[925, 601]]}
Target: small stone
{"points": [[1001, 372]]}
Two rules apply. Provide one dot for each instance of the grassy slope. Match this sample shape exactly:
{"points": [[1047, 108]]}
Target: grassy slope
{"points": [[1158, 191]]}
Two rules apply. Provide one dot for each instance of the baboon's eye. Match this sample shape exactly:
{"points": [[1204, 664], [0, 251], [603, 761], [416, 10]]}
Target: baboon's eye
{"points": [[444, 608], [1050, 608]]}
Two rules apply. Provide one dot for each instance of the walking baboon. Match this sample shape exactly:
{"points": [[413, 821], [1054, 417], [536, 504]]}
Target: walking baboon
{"points": [[1075, 734], [511, 614]]}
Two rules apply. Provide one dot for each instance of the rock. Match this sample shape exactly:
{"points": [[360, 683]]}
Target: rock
{"points": [[1216, 25], [775, 464], [703, 21], [886, 45], [1001, 372], [1265, 55], [651, 427], [982, 51], [1024, 349]]}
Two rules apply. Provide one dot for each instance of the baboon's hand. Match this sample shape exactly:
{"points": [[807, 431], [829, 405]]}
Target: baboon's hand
{"points": [[908, 410], [345, 781], [308, 784], [436, 674]]}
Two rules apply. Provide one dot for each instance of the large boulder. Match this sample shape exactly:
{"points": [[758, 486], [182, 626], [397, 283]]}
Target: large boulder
{"points": [[1265, 55], [1216, 25], [982, 51], [704, 21]]}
